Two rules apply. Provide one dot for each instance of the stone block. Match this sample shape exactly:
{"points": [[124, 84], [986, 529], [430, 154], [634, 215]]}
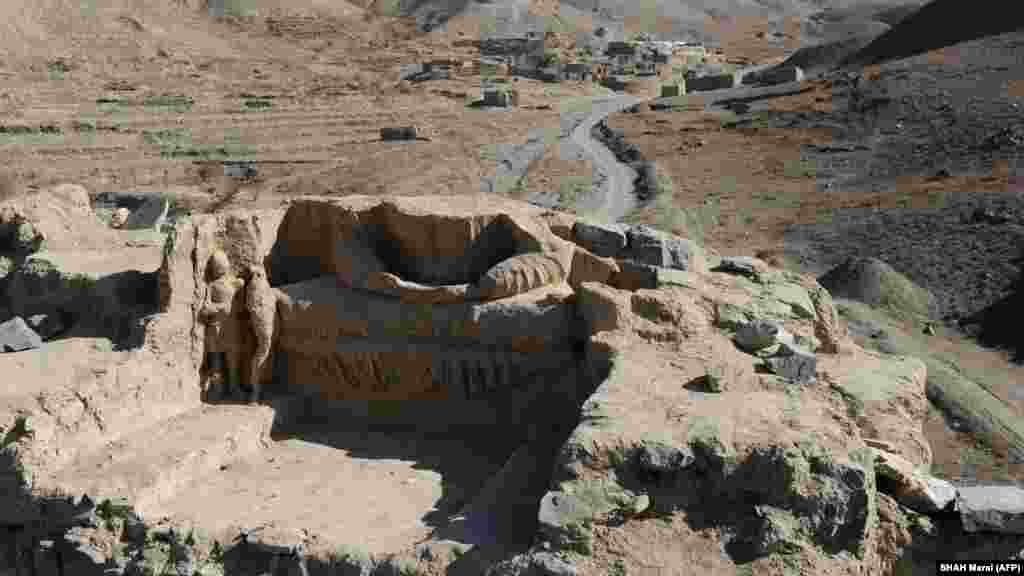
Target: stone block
{"points": [[398, 133], [151, 214], [916, 491], [757, 335], [991, 508], [794, 363], [588, 267], [605, 240], [656, 248], [561, 519], [635, 276], [16, 335]]}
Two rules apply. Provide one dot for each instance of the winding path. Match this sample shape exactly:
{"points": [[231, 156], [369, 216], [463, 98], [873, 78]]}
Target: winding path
{"points": [[613, 197]]}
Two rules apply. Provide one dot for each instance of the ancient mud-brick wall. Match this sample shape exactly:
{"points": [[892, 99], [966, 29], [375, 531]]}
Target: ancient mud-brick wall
{"points": [[341, 338]]}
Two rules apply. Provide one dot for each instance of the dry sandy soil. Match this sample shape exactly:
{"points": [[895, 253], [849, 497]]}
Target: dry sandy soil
{"points": [[287, 87], [328, 84]]}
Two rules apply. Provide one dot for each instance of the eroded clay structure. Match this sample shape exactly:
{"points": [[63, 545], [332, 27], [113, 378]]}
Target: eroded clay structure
{"points": [[562, 355], [394, 302]]}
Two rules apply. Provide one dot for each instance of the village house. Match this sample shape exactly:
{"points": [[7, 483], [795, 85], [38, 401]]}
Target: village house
{"points": [[577, 71], [621, 53], [521, 52], [710, 82]]}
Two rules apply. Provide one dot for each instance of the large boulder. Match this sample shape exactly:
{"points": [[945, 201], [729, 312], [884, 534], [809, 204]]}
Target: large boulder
{"points": [[605, 240], [757, 335], [919, 492], [656, 248], [53, 219], [589, 267], [793, 363], [152, 214], [991, 508], [877, 284], [16, 335]]}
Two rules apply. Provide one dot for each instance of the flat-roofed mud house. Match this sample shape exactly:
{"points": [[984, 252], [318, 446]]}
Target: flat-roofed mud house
{"points": [[577, 71], [522, 51], [621, 53], [710, 82]]}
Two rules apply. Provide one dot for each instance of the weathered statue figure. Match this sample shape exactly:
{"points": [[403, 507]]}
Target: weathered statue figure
{"points": [[220, 314], [261, 303]]}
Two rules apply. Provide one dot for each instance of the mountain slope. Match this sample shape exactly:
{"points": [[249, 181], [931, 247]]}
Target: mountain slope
{"points": [[938, 24]]}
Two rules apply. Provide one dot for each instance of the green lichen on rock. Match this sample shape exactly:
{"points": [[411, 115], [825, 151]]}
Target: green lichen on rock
{"points": [[714, 378], [20, 429], [730, 316], [348, 559]]}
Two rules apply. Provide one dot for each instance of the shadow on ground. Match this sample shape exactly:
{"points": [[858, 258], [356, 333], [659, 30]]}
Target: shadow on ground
{"points": [[135, 297], [996, 325]]}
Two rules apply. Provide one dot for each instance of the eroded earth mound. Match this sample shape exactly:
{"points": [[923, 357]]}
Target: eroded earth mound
{"points": [[462, 385]]}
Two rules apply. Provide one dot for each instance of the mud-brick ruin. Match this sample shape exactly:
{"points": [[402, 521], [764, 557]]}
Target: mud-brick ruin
{"points": [[442, 385], [392, 302]]}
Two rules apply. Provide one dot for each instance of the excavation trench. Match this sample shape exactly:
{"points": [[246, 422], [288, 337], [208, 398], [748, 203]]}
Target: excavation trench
{"points": [[389, 419], [421, 402]]}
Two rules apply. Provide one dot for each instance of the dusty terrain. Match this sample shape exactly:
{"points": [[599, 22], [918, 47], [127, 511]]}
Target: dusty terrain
{"points": [[135, 96]]}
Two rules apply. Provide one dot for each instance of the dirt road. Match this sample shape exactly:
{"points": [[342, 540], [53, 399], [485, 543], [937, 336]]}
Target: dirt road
{"points": [[614, 198]]}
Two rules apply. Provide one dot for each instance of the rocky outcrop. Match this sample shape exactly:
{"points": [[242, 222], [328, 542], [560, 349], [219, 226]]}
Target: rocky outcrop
{"points": [[916, 491], [991, 508], [16, 335], [875, 283], [496, 308], [457, 301]]}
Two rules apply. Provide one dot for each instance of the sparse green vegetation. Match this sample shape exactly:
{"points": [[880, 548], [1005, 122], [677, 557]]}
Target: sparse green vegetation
{"points": [[801, 168], [958, 383], [83, 127], [238, 8], [662, 212], [178, 102], [253, 101], [351, 554], [19, 430], [781, 199], [728, 119], [82, 282], [177, 143], [713, 377], [489, 152], [112, 512], [56, 69], [854, 405], [571, 187]]}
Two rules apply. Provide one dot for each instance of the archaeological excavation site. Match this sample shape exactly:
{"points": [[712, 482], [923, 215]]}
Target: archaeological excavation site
{"points": [[436, 385]]}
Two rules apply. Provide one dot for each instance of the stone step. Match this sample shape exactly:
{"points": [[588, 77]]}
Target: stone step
{"points": [[153, 464]]}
